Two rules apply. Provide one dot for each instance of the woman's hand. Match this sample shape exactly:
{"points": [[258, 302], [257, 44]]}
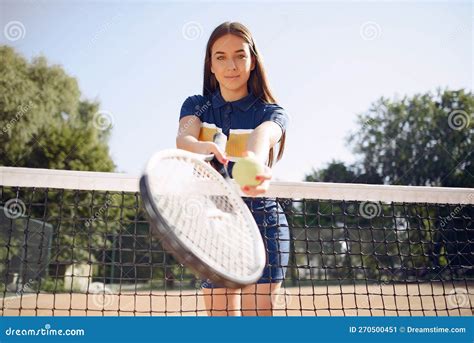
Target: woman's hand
{"points": [[264, 184], [212, 148]]}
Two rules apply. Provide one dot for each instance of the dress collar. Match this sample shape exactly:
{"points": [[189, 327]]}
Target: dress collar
{"points": [[244, 104]]}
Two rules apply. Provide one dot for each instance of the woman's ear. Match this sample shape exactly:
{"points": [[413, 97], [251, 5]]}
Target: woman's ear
{"points": [[252, 66]]}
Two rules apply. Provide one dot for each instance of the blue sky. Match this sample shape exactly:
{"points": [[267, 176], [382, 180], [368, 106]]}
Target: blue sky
{"points": [[326, 61]]}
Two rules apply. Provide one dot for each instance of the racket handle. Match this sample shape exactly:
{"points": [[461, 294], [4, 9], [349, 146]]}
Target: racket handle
{"points": [[221, 141]]}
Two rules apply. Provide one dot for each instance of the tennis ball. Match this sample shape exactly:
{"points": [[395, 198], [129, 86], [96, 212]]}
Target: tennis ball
{"points": [[246, 169]]}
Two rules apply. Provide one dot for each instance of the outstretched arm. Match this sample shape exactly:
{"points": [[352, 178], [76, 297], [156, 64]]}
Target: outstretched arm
{"points": [[261, 140]]}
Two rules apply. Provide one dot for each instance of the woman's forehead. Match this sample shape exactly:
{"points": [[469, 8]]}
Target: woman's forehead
{"points": [[229, 44]]}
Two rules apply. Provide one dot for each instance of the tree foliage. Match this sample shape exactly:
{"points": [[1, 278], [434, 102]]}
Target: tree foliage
{"points": [[424, 140], [427, 139], [43, 121]]}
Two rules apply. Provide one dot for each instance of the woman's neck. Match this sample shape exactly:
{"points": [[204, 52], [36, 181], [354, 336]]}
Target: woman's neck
{"points": [[234, 95]]}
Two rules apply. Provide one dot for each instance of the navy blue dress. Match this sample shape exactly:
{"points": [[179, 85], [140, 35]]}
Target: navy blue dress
{"points": [[237, 120]]}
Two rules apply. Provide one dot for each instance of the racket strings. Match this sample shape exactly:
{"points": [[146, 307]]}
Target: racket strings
{"points": [[198, 208]]}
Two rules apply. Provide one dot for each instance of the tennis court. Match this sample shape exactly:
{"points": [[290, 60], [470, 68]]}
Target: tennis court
{"points": [[347, 300], [78, 243]]}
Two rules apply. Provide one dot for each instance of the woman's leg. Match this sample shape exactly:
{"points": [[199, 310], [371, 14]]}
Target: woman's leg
{"points": [[222, 301], [258, 299]]}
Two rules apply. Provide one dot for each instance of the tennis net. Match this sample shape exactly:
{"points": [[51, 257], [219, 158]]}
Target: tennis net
{"points": [[78, 243]]}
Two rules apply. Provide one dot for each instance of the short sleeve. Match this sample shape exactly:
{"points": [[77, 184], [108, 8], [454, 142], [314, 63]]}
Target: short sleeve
{"points": [[193, 105], [276, 114]]}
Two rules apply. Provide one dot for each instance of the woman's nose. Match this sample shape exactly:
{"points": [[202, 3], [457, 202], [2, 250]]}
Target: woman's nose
{"points": [[231, 65]]}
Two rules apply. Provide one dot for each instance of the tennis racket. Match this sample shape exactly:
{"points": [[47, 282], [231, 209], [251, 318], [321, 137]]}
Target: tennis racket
{"points": [[197, 213]]}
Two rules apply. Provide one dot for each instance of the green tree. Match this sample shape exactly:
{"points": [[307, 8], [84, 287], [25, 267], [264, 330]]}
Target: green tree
{"points": [[45, 124], [43, 121], [427, 139], [334, 172]]}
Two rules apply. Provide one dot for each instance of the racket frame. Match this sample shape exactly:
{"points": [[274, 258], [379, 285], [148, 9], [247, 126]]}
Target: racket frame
{"points": [[170, 241]]}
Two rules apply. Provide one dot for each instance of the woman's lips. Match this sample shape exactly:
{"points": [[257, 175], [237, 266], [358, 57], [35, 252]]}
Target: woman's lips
{"points": [[232, 77]]}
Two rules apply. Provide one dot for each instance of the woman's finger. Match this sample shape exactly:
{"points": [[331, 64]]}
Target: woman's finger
{"points": [[220, 155], [266, 175], [256, 190]]}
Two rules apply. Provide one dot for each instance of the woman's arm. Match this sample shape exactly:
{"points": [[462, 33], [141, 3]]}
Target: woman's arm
{"points": [[261, 140], [187, 139], [264, 137]]}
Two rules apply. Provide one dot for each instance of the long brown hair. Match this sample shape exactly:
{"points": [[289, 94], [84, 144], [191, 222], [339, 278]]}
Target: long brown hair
{"points": [[258, 83]]}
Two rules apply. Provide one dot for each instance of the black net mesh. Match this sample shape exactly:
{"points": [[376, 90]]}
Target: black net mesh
{"points": [[69, 252]]}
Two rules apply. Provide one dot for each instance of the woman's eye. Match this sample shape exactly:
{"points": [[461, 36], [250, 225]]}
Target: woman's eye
{"points": [[220, 58], [242, 56]]}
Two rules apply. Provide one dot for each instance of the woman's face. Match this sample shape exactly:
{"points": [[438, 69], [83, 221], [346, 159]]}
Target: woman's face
{"points": [[231, 62]]}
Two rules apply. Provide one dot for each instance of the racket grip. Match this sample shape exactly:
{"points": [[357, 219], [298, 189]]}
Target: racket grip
{"points": [[221, 140]]}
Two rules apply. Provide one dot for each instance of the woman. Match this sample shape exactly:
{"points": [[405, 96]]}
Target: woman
{"points": [[237, 101]]}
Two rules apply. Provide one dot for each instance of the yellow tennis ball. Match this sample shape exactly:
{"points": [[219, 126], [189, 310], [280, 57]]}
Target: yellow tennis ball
{"points": [[246, 169]]}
